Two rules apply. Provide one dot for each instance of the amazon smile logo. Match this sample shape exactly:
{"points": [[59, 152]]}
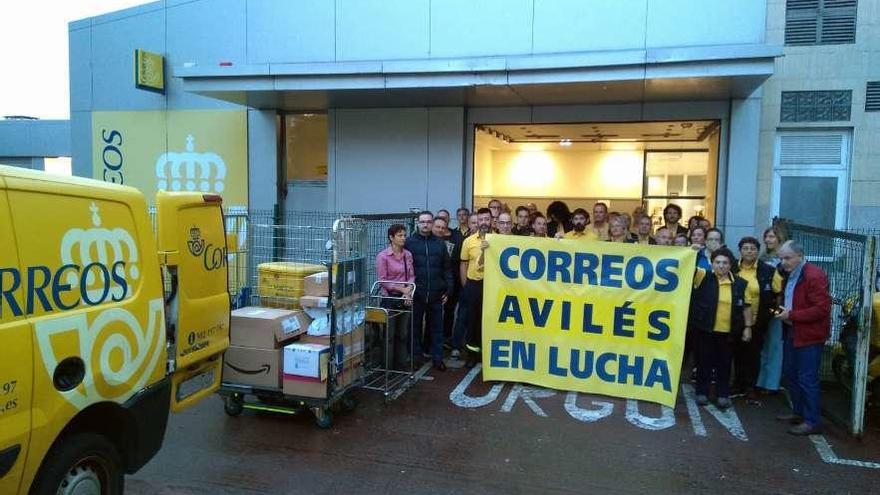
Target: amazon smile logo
{"points": [[263, 370]]}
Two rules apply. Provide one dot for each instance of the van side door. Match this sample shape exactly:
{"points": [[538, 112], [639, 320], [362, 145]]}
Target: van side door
{"points": [[16, 358], [192, 247]]}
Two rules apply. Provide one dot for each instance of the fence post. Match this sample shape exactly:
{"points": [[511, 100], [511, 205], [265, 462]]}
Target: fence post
{"points": [[860, 366]]}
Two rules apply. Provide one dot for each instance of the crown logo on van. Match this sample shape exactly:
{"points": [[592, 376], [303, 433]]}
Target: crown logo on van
{"points": [[191, 171], [107, 247]]}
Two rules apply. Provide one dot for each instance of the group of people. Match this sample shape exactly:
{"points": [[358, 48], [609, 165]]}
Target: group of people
{"points": [[753, 319]]}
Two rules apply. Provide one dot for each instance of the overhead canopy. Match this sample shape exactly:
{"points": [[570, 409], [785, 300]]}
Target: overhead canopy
{"points": [[679, 74]]}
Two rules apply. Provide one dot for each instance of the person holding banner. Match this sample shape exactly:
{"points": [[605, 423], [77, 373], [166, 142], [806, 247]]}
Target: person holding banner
{"points": [[662, 237], [471, 270], [720, 314]]}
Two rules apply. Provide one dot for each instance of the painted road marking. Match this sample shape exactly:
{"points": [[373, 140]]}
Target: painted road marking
{"points": [[828, 455]]}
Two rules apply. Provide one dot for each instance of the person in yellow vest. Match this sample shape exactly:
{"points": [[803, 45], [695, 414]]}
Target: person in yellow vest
{"points": [[579, 228], [471, 271], [643, 230], [600, 222], [720, 314]]}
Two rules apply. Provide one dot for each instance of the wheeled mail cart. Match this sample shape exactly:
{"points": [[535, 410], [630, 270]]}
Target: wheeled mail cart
{"points": [[299, 344]]}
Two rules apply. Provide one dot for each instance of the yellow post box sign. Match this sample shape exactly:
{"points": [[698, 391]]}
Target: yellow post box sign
{"points": [[175, 150], [149, 71]]}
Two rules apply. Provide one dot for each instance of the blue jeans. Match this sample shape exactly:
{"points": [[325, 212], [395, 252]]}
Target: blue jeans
{"points": [[800, 365], [434, 312], [771, 356]]}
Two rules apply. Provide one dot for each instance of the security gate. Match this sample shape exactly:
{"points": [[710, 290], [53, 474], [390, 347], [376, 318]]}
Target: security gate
{"points": [[850, 262]]}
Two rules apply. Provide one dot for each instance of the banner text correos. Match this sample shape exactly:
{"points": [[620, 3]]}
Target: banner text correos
{"points": [[598, 317]]}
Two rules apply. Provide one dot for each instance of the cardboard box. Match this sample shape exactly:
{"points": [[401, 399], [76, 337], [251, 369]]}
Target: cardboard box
{"points": [[306, 360], [313, 387], [314, 302], [264, 328], [347, 345], [317, 285], [260, 368]]}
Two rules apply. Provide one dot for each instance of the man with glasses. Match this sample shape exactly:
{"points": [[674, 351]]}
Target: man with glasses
{"points": [[433, 283]]}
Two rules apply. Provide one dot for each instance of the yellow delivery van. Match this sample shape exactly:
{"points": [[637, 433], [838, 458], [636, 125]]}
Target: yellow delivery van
{"points": [[104, 327]]}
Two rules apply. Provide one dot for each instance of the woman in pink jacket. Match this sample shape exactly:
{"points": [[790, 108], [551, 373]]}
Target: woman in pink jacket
{"points": [[394, 269]]}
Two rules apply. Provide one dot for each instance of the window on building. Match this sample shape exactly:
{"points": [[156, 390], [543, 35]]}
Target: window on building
{"points": [[820, 22], [305, 141], [872, 97], [816, 106], [679, 177], [811, 177]]}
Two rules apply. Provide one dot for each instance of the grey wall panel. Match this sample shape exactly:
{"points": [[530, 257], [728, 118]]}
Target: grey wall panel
{"points": [[203, 32], [81, 143], [742, 169], [576, 25], [262, 160], [27, 138], [381, 160], [277, 33], [306, 197], [445, 158], [718, 22], [464, 28], [80, 57], [113, 46], [382, 29]]}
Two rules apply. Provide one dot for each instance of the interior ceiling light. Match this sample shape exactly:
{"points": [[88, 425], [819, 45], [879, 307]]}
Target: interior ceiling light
{"points": [[565, 142]]}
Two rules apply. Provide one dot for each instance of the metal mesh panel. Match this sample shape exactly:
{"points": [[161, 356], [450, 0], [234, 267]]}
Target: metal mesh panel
{"points": [[848, 259]]}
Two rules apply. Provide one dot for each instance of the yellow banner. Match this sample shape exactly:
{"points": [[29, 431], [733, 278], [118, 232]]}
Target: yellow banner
{"points": [[175, 150], [598, 317]]}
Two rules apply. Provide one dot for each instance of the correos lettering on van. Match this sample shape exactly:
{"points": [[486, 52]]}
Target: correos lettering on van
{"points": [[74, 284]]}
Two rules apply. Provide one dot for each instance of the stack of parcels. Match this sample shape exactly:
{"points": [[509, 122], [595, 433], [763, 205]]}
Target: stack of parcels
{"points": [[306, 360], [257, 337]]}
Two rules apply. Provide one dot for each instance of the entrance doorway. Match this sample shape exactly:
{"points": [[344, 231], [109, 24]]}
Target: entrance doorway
{"points": [[625, 165]]}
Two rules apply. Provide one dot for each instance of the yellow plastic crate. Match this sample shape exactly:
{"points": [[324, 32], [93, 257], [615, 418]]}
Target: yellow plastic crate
{"points": [[284, 280]]}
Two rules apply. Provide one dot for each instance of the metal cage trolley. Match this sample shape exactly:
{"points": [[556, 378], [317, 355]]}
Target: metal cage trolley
{"points": [[389, 332], [306, 271]]}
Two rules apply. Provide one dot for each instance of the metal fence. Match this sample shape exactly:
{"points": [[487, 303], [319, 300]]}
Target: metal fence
{"points": [[849, 260]]}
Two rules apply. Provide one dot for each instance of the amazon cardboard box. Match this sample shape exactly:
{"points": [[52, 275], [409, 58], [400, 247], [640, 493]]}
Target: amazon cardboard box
{"points": [[316, 302], [265, 328], [261, 368], [317, 284]]}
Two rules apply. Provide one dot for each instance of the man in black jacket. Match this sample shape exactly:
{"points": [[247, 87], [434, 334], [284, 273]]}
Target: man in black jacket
{"points": [[433, 283]]}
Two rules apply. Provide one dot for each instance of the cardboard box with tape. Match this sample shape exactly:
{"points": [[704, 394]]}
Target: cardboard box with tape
{"points": [[317, 285], [266, 328]]}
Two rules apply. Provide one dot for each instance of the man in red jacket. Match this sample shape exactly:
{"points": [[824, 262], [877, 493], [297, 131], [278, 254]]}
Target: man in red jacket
{"points": [[806, 317]]}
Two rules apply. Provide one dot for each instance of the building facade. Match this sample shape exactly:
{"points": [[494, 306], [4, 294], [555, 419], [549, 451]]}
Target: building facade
{"points": [[385, 105], [820, 124]]}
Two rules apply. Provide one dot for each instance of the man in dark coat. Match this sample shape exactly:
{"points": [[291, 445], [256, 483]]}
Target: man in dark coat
{"points": [[433, 283], [806, 319]]}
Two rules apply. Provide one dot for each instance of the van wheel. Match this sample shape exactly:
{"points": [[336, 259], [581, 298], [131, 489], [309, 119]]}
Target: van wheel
{"points": [[83, 463]]}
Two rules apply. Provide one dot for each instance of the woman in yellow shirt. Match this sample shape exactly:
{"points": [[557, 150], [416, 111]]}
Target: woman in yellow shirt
{"points": [[719, 315]]}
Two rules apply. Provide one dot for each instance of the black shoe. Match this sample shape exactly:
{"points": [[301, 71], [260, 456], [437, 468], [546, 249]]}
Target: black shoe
{"points": [[470, 363], [439, 365]]}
